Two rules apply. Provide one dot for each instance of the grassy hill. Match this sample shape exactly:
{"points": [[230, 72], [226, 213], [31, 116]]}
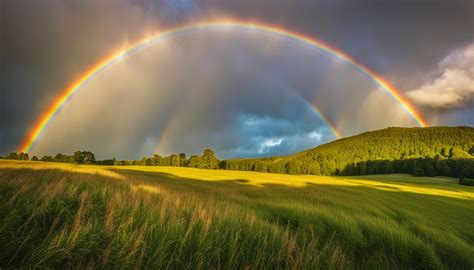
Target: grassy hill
{"points": [[419, 151], [63, 215]]}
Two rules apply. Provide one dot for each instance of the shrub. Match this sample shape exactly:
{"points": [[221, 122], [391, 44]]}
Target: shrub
{"points": [[466, 181]]}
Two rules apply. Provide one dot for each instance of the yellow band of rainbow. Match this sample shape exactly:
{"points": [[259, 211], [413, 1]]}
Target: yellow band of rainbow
{"points": [[66, 94]]}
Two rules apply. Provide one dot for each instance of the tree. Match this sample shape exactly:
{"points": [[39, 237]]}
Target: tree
{"points": [[47, 158], [293, 167], [315, 168], [429, 167], [175, 161], [418, 169], [389, 167], [23, 156], [445, 152], [13, 156], [442, 167], [391, 150], [60, 158], [18, 156], [34, 158], [467, 169], [156, 160], [194, 161], [84, 157], [209, 160], [362, 168], [182, 159], [150, 161], [107, 162]]}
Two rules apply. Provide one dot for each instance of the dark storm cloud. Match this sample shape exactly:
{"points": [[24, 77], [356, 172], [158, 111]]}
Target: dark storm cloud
{"points": [[45, 44]]}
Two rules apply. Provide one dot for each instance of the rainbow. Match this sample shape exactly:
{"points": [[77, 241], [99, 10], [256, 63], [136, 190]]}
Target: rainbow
{"points": [[171, 122], [47, 116]]}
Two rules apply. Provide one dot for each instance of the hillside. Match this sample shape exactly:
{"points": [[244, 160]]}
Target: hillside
{"points": [[420, 151], [86, 216]]}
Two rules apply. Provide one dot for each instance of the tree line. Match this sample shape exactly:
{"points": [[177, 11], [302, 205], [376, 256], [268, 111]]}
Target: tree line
{"points": [[207, 160], [430, 151], [79, 157], [462, 168]]}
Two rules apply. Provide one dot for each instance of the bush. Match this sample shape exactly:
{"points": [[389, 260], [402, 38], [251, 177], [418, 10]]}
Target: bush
{"points": [[466, 182]]}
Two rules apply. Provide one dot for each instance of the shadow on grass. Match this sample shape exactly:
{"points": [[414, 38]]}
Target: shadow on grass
{"points": [[349, 199], [330, 210]]}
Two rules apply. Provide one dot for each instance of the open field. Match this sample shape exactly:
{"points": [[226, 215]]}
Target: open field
{"points": [[63, 215]]}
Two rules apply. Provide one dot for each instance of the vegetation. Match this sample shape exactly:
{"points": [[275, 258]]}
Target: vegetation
{"points": [[63, 215], [466, 182], [433, 151], [419, 151]]}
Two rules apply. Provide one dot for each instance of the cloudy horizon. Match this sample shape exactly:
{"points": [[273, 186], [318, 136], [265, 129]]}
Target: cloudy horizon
{"points": [[242, 93]]}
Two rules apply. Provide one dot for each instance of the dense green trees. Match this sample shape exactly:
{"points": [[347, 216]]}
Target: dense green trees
{"points": [[194, 161], [84, 157], [18, 156], [209, 160], [61, 158], [47, 159], [419, 167], [79, 157], [419, 151], [466, 182], [109, 162]]}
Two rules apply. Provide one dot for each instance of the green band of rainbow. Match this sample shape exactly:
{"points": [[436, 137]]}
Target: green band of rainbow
{"points": [[107, 61]]}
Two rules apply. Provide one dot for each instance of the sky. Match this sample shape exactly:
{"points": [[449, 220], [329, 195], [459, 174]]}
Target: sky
{"points": [[242, 93]]}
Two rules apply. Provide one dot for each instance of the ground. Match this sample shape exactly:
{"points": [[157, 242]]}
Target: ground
{"points": [[63, 215]]}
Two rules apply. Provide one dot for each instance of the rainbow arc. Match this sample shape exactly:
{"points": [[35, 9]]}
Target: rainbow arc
{"points": [[47, 116]]}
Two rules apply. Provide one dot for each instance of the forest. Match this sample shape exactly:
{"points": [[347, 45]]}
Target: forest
{"points": [[447, 151], [432, 151]]}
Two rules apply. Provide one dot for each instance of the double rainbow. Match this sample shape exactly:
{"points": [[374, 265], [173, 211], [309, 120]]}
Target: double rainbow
{"points": [[47, 116]]}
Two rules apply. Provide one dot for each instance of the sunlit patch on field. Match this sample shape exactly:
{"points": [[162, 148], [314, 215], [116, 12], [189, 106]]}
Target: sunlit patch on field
{"points": [[423, 185], [65, 167], [66, 216]]}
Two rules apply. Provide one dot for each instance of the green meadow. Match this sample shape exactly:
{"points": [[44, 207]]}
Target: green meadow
{"points": [[71, 216]]}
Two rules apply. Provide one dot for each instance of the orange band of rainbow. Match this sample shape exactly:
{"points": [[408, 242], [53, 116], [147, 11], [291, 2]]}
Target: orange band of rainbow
{"points": [[65, 95]]}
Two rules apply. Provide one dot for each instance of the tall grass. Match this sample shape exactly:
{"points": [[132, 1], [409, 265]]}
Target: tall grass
{"points": [[57, 215]]}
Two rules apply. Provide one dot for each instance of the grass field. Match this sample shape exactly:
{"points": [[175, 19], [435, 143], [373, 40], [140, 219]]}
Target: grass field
{"points": [[62, 215]]}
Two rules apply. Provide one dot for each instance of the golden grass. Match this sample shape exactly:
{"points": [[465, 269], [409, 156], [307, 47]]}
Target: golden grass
{"points": [[65, 167], [63, 215], [259, 179]]}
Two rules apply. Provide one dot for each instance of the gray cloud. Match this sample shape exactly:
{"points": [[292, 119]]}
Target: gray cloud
{"points": [[191, 92], [222, 90], [46, 44]]}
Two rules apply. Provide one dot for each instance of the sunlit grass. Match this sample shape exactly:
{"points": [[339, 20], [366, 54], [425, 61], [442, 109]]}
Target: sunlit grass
{"points": [[440, 186], [62, 215], [65, 167]]}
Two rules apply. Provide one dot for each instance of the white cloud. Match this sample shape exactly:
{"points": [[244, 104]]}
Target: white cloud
{"points": [[315, 135], [454, 85], [269, 143]]}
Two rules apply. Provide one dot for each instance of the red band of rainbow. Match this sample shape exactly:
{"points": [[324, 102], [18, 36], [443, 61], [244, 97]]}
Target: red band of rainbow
{"points": [[66, 94]]}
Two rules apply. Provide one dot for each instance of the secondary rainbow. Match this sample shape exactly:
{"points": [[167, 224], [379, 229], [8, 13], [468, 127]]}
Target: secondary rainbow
{"points": [[47, 116], [171, 123]]}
